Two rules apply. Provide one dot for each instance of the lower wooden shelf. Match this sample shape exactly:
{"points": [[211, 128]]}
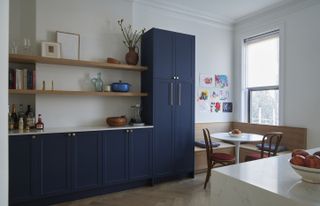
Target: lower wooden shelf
{"points": [[76, 93]]}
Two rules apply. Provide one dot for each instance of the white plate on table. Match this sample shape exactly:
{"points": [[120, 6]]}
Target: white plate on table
{"points": [[234, 135]]}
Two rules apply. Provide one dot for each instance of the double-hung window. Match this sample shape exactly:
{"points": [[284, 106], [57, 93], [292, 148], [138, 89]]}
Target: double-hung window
{"points": [[262, 78]]}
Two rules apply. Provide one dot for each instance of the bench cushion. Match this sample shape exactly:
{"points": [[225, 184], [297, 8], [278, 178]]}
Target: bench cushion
{"points": [[281, 148], [202, 144]]}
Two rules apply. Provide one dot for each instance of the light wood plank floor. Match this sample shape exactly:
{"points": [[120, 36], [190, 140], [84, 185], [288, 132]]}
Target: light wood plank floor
{"points": [[186, 192]]}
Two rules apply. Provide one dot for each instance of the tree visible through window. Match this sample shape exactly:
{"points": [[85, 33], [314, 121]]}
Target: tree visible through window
{"points": [[262, 78]]}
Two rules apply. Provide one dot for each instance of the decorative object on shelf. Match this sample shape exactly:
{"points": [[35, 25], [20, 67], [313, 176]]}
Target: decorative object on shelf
{"points": [[117, 121], [14, 47], [50, 49], [131, 39], [43, 85], [52, 88], [120, 86], [136, 119], [98, 83], [27, 46], [107, 88], [70, 45], [113, 61]]}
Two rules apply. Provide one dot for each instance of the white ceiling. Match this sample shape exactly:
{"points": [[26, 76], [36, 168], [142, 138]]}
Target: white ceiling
{"points": [[229, 11]]}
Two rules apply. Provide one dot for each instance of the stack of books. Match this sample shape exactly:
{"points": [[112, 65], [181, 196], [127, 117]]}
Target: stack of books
{"points": [[22, 78]]}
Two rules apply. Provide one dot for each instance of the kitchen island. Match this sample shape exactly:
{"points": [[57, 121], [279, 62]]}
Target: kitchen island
{"points": [[265, 182]]}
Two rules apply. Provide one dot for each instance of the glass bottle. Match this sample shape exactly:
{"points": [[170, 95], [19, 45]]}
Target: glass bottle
{"points": [[21, 124], [29, 117], [14, 117], [39, 125], [20, 113], [98, 83]]}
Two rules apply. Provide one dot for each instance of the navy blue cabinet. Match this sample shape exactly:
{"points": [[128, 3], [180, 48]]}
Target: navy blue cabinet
{"points": [[49, 168], [55, 163], [20, 168], [115, 157], [169, 81], [87, 160], [140, 154]]}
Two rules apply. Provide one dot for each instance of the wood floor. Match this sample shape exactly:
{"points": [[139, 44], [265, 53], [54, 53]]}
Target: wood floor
{"points": [[187, 192]]}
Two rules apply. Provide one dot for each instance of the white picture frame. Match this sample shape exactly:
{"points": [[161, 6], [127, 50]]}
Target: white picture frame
{"points": [[70, 45], [50, 49]]}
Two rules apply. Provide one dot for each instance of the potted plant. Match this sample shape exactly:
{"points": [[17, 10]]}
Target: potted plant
{"points": [[131, 39]]}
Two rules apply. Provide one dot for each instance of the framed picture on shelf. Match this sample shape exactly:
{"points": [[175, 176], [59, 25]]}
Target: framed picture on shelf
{"points": [[70, 45], [50, 49]]}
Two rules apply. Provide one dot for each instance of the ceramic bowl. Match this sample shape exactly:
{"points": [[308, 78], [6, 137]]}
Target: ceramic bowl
{"points": [[307, 174], [117, 121], [234, 135]]}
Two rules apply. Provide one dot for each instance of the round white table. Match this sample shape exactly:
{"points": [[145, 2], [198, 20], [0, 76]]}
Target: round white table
{"points": [[244, 137]]}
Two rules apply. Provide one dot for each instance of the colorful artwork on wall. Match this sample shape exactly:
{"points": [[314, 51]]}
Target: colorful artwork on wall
{"points": [[221, 81], [203, 94], [203, 106], [206, 81], [217, 106], [223, 95], [227, 107]]}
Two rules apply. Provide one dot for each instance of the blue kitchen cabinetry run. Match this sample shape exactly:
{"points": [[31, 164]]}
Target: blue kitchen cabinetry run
{"points": [[50, 168], [170, 57]]}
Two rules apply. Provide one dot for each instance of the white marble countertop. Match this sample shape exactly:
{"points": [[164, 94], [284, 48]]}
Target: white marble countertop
{"points": [[74, 129], [276, 176]]}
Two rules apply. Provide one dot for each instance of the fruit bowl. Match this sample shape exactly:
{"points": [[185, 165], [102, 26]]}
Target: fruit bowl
{"points": [[308, 174], [234, 135]]}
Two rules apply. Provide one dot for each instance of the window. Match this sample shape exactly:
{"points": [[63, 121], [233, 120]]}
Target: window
{"points": [[262, 78]]}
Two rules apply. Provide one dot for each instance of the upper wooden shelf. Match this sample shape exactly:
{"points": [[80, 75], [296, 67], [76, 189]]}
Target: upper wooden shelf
{"points": [[18, 58], [77, 93]]}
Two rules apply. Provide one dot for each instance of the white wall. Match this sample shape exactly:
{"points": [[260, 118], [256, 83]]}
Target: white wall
{"points": [[213, 45], [4, 25], [96, 22], [301, 49]]}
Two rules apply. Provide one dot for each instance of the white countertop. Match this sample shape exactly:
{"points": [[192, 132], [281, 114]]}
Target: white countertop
{"points": [[276, 176], [74, 129]]}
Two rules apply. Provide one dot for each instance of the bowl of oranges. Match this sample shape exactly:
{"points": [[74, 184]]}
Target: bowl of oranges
{"points": [[306, 165]]}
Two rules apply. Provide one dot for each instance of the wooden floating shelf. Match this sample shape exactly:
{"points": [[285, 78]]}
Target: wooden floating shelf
{"points": [[18, 58], [77, 93]]}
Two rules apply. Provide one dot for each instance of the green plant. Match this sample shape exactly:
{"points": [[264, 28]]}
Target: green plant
{"points": [[131, 37]]}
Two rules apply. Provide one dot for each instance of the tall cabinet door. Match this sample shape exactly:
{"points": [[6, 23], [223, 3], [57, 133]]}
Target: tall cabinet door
{"points": [[163, 126], [20, 168], [184, 128], [87, 161], [140, 156], [55, 163], [164, 57], [115, 157], [184, 47]]}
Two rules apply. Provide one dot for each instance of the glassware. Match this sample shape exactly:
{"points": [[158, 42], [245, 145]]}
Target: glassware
{"points": [[14, 47], [98, 83], [26, 46]]}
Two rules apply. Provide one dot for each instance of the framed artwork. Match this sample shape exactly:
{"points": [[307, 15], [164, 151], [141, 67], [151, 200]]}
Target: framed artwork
{"points": [[206, 81], [221, 81], [227, 107], [50, 49], [70, 45]]}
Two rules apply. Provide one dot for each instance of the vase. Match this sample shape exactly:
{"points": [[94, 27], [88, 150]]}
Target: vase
{"points": [[132, 57]]}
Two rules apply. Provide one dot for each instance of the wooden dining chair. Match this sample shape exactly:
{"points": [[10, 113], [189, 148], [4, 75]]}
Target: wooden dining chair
{"points": [[214, 157], [269, 146]]}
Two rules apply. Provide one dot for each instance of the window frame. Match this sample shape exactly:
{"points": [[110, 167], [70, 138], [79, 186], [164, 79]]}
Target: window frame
{"points": [[247, 90]]}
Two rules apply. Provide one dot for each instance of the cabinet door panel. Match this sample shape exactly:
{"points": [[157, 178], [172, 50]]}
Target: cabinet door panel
{"points": [[55, 164], [184, 128], [20, 167], [140, 154], [87, 160], [163, 127], [115, 157], [184, 57], [164, 59]]}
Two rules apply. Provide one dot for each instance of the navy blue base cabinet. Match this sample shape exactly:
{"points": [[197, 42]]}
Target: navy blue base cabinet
{"points": [[169, 81], [50, 168]]}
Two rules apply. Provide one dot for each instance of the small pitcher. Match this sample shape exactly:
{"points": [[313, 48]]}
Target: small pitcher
{"points": [[98, 83]]}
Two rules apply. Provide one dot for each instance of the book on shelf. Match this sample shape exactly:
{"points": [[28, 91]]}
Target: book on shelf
{"points": [[22, 78]]}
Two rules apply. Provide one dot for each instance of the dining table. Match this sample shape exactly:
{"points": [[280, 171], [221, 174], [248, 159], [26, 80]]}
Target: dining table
{"points": [[237, 140]]}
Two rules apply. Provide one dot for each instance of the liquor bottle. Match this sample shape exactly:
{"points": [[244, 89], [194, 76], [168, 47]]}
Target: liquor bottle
{"points": [[14, 117], [20, 113], [21, 124], [10, 121], [39, 125], [29, 117]]}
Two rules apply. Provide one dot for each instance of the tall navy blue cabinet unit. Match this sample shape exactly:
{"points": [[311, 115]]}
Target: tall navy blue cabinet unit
{"points": [[169, 81]]}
